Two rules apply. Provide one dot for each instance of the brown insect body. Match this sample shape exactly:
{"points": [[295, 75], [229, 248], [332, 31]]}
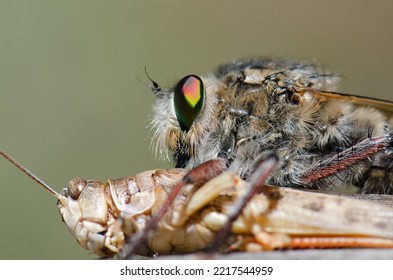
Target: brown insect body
{"points": [[94, 211], [289, 108], [111, 216], [104, 217]]}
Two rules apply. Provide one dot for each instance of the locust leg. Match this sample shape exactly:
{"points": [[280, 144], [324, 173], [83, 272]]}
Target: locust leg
{"points": [[197, 176], [271, 241], [339, 242], [263, 241], [264, 167], [271, 218]]}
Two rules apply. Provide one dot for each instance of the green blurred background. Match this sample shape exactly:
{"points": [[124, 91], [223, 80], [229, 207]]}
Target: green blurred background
{"points": [[73, 94]]}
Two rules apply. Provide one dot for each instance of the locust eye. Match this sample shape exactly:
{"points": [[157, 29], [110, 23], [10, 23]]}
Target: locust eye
{"points": [[76, 186], [188, 100]]}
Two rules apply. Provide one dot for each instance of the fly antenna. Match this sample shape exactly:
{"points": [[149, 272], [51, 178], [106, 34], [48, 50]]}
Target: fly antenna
{"points": [[29, 173], [156, 88]]}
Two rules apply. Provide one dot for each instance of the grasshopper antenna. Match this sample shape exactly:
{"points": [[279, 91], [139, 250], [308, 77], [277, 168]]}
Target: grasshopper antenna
{"points": [[29, 173]]}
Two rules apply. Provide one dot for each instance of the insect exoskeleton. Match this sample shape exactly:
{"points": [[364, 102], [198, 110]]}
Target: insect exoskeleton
{"points": [[98, 214], [249, 106], [104, 217]]}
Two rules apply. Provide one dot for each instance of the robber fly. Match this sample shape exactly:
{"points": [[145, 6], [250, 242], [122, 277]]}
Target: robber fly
{"points": [[324, 139]]}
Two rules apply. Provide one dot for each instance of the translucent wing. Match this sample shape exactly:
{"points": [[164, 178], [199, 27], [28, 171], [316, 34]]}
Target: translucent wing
{"points": [[379, 104]]}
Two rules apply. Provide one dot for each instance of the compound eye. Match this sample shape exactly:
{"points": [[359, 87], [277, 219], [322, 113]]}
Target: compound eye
{"points": [[76, 186], [188, 100]]}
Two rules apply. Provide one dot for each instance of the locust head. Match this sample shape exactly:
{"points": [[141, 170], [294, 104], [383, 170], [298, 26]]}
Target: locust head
{"points": [[84, 210]]}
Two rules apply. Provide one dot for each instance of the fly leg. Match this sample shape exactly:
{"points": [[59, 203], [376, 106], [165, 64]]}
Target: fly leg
{"points": [[264, 167], [380, 148], [197, 176]]}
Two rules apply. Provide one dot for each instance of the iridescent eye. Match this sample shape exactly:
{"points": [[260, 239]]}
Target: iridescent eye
{"points": [[188, 100]]}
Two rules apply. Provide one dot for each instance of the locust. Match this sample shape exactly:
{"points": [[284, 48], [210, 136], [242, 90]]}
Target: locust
{"points": [[106, 217]]}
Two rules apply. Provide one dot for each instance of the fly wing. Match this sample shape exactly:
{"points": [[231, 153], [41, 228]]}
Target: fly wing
{"points": [[379, 104]]}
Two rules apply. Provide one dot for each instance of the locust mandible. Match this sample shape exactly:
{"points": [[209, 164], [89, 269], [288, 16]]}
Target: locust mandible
{"points": [[251, 106], [106, 217]]}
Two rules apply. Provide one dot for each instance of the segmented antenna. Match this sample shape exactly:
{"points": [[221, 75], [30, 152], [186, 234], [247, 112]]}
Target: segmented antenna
{"points": [[29, 173], [156, 88]]}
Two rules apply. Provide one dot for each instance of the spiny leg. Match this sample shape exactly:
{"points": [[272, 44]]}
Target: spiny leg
{"points": [[339, 242], [264, 167], [271, 241], [197, 176], [346, 158]]}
